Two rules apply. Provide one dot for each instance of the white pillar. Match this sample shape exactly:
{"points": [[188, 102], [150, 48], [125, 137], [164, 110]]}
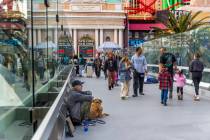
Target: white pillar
{"points": [[29, 37], [34, 35], [55, 36], [96, 39], [75, 41], [39, 36], [115, 36], [101, 36], [121, 38], [71, 32]]}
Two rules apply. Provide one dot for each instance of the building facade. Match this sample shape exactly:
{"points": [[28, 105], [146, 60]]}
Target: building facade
{"points": [[94, 20]]}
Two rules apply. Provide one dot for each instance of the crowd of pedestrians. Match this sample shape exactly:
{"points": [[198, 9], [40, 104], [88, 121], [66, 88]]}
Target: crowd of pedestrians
{"points": [[121, 68], [124, 70]]}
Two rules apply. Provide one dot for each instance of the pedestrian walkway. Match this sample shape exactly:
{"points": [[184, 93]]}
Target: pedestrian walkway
{"points": [[144, 118]]}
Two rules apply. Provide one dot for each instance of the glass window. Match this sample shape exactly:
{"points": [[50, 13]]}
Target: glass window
{"points": [[30, 62]]}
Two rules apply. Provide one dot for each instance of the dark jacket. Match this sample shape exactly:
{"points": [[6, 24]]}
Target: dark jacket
{"points": [[97, 63], [111, 65], [196, 68], [74, 101]]}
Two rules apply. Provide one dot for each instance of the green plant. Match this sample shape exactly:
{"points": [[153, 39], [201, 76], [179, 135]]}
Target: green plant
{"points": [[182, 23]]}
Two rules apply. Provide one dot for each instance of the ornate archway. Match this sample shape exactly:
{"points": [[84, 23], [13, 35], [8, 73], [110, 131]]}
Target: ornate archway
{"points": [[86, 46]]}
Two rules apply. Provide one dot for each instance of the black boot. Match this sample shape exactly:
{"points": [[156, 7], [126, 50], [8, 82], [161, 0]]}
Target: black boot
{"points": [[181, 97], [112, 86]]}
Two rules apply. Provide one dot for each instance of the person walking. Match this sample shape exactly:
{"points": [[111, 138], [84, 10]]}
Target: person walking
{"points": [[196, 68], [180, 79], [76, 63], [168, 60], [111, 68], [82, 63], [104, 58], [19, 65], [125, 76], [140, 68], [41, 66], [165, 83], [97, 66]]}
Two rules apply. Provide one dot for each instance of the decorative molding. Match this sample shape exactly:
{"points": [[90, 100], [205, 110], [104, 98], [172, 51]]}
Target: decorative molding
{"points": [[81, 27], [110, 17]]}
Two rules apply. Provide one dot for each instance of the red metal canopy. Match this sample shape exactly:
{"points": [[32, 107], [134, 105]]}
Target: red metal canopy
{"points": [[146, 26]]}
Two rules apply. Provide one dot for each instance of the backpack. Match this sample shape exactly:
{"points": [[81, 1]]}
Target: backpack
{"points": [[169, 60], [150, 80]]}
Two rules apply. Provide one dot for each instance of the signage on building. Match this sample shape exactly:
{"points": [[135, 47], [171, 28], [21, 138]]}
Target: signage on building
{"points": [[65, 46], [86, 8], [86, 47], [135, 42]]}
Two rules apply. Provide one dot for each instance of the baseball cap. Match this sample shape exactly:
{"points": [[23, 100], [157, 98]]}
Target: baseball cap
{"points": [[76, 83]]}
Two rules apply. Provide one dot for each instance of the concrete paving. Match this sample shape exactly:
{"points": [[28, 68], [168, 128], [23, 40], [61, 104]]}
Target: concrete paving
{"points": [[144, 118]]}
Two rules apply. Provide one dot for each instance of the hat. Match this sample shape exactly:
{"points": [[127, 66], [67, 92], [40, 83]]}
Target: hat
{"points": [[76, 83]]}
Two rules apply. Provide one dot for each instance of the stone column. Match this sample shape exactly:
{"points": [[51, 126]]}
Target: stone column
{"points": [[75, 41], [35, 40], [71, 32], [96, 39], [39, 36], [115, 36], [101, 36], [121, 38]]}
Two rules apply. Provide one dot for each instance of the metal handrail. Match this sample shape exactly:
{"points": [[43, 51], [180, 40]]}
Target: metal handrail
{"points": [[45, 128], [180, 67]]}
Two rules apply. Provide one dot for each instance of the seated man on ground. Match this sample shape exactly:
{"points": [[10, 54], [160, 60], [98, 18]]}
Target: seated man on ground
{"points": [[79, 102]]}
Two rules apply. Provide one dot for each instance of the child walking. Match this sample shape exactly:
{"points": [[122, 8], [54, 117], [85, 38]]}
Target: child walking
{"points": [[180, 79], [125, 76], [165, 80]]}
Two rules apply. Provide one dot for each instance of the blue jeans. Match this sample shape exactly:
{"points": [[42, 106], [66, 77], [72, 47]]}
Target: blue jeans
{"points": [[164, 95]]}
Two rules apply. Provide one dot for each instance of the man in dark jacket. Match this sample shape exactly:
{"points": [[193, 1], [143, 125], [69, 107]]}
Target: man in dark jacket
{"points": [[97, 66], [79, 102], [196, 68], [111, 68], [168, 60]]}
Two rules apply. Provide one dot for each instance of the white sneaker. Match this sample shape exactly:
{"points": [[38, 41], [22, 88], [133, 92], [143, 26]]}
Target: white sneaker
{"points": [[196, 98]]}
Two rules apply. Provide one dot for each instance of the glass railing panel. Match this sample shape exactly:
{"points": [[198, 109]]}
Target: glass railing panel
{"points": [[183, 46], [16, 71]]}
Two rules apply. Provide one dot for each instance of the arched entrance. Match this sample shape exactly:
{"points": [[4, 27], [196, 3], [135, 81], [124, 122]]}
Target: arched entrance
{"points": [[86, 46]]}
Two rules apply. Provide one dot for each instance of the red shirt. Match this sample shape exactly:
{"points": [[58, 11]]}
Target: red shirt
{"points": [[165, 80]]}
